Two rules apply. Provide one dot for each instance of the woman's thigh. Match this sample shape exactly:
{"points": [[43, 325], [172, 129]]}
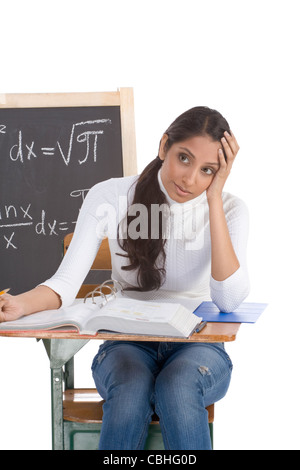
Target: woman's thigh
{"points": [[123, 367], [191, 369]]}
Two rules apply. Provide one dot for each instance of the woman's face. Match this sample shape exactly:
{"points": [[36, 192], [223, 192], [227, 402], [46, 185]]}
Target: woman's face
{"points": [[189, 166]]}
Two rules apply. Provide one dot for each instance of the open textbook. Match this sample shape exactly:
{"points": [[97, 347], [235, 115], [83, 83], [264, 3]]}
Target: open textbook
{"points": [[120, 315], [106, 309]]}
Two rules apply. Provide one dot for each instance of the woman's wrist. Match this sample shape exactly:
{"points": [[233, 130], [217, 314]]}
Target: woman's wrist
{"points": [[38, 299], [215, 200]]}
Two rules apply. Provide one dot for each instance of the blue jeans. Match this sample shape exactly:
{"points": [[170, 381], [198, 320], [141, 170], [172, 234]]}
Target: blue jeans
{"points": [[176, 380]]}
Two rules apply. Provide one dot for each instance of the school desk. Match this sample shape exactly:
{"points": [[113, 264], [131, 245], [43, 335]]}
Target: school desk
{"points": [[61, 348]]}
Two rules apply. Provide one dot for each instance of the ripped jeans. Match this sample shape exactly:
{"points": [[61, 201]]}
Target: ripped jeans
{"points": [[176, 380]]}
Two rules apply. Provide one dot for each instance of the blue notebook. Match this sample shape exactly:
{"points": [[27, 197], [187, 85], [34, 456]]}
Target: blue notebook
{"points": [[247, 312]]}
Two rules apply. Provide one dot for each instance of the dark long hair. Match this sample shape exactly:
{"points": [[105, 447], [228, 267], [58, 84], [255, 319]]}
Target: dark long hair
{"points": [[146, 254]]}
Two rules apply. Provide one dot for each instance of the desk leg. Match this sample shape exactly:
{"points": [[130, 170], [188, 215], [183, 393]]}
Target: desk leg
{"points": [[57, 408], [60, 351]]}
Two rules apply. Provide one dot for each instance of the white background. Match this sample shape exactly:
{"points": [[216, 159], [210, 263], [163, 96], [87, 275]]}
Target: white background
{"points": [[239, 57]]}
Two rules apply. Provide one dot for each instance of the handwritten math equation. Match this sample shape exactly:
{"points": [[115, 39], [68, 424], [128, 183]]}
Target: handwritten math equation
{"points": [[15, 218], [84, 136]]}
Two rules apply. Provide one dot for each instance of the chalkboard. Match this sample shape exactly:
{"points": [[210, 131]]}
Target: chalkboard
{"points": [[50, 157]]}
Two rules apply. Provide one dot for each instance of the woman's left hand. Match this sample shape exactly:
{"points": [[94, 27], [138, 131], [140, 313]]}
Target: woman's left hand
{"points": [[231, 148]]}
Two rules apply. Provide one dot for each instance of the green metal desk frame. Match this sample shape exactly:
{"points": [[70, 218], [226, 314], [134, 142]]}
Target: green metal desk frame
{"points": [[61, 354]]}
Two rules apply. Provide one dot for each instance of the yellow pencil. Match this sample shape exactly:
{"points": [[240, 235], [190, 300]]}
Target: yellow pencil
{"points": [[4, 291]]}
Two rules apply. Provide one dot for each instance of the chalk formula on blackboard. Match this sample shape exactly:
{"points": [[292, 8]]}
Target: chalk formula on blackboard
{"points": [[15, 217], [85, 133]]}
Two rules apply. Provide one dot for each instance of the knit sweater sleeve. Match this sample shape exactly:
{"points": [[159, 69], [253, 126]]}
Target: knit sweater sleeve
{"points": [[84, 246], [231, 292]]}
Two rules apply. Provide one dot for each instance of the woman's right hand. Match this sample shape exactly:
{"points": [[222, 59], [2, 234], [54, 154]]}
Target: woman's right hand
{"points": [[11, 308]]}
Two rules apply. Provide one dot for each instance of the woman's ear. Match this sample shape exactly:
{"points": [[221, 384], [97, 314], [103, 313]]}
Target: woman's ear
{"points": [[162, 152]]}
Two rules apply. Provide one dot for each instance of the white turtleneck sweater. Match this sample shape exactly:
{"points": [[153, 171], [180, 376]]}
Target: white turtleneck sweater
{"points": [[188, 248]]}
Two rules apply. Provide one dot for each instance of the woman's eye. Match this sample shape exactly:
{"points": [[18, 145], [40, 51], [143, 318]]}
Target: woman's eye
{"points": [[208, 171], [183, 158]]}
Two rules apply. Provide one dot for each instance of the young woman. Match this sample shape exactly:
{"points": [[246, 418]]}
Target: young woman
{"points": [[192, 249]]}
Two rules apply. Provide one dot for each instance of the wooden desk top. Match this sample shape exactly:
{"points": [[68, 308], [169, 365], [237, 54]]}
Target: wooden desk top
{"points": [[212, 333]]}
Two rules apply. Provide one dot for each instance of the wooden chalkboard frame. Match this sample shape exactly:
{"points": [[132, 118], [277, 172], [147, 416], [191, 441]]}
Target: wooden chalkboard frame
{"points": [[123, 98]]}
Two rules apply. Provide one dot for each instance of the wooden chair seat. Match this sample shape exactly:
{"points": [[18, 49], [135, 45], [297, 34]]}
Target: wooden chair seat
{"points": [[83, 405]]}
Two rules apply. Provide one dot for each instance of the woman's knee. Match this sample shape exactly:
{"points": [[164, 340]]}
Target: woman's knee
{"points": [[176, 386], [120, 371]]}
